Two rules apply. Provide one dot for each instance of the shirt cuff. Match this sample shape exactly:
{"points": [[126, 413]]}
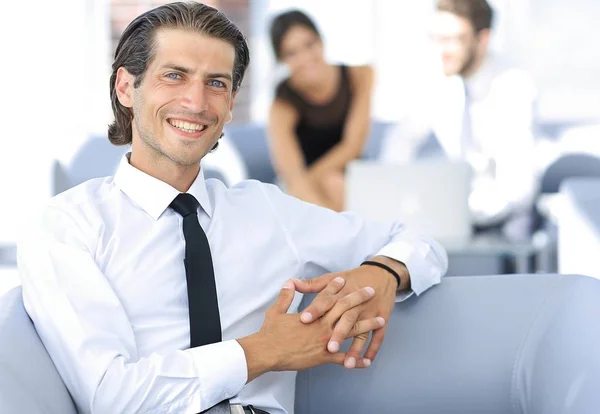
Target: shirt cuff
{"points": [[221, 369], [422, 276]]}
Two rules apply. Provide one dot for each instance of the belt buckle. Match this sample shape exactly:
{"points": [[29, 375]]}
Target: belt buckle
{"points": [[237, 409]]}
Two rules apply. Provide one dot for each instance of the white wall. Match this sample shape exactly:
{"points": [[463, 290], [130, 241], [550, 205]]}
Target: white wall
{"points": [[50, 96], [404, 59], [557, 41]]}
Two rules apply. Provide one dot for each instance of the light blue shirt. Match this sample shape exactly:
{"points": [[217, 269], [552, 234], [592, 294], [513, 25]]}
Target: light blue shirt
{"points": [[104, 282]]}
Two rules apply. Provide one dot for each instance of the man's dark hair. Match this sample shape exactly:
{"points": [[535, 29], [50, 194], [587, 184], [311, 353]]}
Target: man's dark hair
{"points": [[284, 22], [477, 12], [136, 47]]}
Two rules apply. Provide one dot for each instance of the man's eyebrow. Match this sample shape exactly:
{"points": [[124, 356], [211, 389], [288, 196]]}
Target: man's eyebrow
{"points": [[178, 68], [226, 76]]}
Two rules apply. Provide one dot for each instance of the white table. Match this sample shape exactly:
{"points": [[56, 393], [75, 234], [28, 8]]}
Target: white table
{"points": [[579, 227], [494, 246]]}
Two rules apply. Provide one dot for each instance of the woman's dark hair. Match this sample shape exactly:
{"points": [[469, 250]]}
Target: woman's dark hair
{"points": [[284, 22], [135, 50]]}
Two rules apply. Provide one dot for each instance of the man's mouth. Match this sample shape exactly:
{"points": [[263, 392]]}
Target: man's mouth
{"points": [[188, 127]]}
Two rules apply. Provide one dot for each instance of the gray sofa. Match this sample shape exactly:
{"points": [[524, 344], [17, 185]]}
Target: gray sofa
{"points": [[526, 344]]}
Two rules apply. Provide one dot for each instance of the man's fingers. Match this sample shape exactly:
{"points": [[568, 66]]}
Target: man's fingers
{"points": [[342, 329], [366, 325], [337, 358], [353, 356], [314, 285], [375, 345], [350, 327], [360, 332], [345, 316], [348, 302], [285, 298], [324, 301]]}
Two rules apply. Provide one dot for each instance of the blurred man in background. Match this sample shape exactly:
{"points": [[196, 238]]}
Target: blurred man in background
{"points": [[481, 112]]}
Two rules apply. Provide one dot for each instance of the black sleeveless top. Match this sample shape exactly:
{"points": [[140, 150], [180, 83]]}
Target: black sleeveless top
{"points": [[319, 127]]}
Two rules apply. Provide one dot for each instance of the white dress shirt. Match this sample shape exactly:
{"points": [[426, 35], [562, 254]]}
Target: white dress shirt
{"points": [[104, 282], [500, 102]]}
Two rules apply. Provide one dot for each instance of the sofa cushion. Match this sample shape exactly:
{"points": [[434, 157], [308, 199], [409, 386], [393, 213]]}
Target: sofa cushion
{"points": [[29, 382], [491, 344]]}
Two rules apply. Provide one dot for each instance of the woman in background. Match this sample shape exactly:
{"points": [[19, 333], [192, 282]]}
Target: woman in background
{"points": [[320, 117]]}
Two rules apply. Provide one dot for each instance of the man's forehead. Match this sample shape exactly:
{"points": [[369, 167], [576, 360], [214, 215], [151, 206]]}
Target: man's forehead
{"points": [[193, 48], [446, 22]]}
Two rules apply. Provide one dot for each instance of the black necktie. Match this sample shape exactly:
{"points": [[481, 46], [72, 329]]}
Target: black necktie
{"points": [[205, 323]]}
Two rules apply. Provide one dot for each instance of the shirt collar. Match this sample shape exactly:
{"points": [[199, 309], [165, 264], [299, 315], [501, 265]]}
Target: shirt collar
{"points": [[153, 195]]}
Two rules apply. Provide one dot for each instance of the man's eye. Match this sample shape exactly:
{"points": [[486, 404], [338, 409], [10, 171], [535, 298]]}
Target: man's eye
{"points": [[216, 83], [173, 76]]}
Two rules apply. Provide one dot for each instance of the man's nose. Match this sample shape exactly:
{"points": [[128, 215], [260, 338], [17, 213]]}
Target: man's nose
{"points": [[195, 97]]}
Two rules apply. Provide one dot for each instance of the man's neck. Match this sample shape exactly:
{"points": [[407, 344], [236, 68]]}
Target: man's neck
{"points": [[474, 67], [159, 166]]}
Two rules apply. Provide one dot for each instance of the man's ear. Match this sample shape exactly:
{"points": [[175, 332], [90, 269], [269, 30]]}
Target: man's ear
{"points": [[230, 114], [124, 87]]}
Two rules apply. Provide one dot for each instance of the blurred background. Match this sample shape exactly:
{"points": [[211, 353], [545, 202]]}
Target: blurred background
{"points": [[57, 57]]}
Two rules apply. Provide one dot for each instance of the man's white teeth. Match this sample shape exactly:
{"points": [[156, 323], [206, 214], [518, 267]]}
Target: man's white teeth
{"points": [[187, 126]]}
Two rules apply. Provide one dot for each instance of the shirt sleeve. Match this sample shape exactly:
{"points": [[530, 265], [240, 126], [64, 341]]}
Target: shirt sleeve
{"points": [[86, 332], [326, 241]]}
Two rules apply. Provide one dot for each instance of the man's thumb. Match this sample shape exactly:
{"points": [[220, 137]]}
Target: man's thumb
{"points": [[285, 298]]}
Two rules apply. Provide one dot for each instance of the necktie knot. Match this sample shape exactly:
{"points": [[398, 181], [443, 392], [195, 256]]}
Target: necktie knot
{"points": [[185, 204]]}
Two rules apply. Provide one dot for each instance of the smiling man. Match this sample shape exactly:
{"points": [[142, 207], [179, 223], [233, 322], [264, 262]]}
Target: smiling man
{"points": [[186, 98], [159, 291]]}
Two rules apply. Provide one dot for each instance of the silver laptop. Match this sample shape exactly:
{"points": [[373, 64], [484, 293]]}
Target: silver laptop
{"points": [[430, 197]]}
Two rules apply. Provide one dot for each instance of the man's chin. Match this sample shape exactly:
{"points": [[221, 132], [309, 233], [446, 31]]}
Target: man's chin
{"points": [[451, 70], [185, 159]]}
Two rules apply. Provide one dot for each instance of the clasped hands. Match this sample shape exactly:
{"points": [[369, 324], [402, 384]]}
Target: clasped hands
{"points": [[349, 304]]}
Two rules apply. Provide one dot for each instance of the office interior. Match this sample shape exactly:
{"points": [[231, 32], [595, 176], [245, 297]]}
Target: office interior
{"points": [[56, 109]]}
